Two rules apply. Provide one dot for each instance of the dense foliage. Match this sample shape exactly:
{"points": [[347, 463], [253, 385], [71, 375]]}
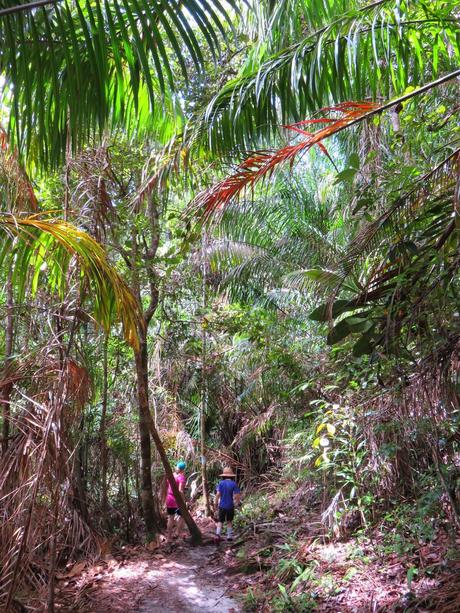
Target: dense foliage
{"points": [[231, 228]]}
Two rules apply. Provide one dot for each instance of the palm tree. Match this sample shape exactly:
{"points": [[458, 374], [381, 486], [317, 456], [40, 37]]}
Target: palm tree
{"points": [[345, 51], [380, 280], [261, 246]]}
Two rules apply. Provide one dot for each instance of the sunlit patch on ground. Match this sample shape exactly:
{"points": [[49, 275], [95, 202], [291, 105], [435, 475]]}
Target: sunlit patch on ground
{"points": [[147, 581]]}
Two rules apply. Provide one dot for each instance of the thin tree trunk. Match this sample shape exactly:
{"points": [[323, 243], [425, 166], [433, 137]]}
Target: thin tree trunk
{"points": [[193, 528], [5, 391], [103, 437], [204, 386], [145, 259], [79, 478], [128, 506], [151, 518], [146, 423]]}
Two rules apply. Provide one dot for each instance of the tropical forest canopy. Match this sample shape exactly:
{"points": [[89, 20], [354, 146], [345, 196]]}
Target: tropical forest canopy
{"points": [[230, 236]]}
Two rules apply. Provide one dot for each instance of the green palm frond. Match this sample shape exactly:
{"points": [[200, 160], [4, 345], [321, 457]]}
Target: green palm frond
{"points": [[41, 250], [321, 279], [75, 66], [262, 244], [345, 52]]}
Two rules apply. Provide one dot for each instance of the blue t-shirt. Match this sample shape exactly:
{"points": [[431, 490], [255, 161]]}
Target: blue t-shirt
{"points": [[227, 487]]}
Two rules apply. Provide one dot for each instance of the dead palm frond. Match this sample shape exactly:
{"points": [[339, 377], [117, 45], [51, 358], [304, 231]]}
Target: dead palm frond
{"points": [[36, 502], [91, 197], [17, 192], [262, 164]]}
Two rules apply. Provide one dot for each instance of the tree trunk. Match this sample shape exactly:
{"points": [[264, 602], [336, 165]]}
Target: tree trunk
{"points": [[151, 518], [204, 385], [5, 391], [103, 436], [193, 528], [144, 259]]}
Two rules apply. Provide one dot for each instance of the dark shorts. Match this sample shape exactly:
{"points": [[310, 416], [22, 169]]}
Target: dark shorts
{"points": [[226, 515], [173, 511]]}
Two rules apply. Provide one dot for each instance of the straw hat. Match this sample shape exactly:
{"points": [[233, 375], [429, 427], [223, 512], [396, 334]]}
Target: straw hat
{"points": [[227, 472]]}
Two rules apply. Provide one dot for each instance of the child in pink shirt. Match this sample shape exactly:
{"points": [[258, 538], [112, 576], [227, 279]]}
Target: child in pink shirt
{"points": [[172, 507]]}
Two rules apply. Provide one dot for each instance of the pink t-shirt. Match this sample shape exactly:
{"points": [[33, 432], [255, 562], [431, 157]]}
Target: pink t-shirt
{"points": [[170, 500]]}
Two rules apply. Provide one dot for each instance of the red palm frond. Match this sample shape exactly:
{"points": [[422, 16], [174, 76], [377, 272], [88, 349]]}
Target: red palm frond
{"points": [[262, 164]]}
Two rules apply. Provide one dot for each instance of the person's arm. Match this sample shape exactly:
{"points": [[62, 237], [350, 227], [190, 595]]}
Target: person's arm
{"points": [[181, 486], [217, 499]]}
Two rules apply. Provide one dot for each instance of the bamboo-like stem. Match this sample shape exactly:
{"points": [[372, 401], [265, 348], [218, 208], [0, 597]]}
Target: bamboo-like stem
{"points": [[102, 432], [204, 382], [6, 390]]}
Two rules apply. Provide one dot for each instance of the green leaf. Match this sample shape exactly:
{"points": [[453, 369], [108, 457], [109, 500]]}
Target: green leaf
{"points": [[317, 442], [364, 346], [346, 176], [358, 324], [339, 307], [338, 332], [353, 161]]}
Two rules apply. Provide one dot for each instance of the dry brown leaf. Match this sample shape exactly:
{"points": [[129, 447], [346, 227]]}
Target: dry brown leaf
{"points": [[75, 570]]}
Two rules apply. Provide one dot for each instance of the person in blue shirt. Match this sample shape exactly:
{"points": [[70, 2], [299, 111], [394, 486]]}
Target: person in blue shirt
{"points": [[228, 493]]}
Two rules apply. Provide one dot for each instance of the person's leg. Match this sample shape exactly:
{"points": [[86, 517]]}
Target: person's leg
{"points": [[220, 522], [230, 515], [180, 524], [170, 528]]}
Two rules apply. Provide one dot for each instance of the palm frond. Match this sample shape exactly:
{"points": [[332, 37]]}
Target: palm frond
{"points": [[321, 53], [74, 67], [37, 467], [406, 255], [261, 245], [392, 224], [262, 164], [40, 245]]}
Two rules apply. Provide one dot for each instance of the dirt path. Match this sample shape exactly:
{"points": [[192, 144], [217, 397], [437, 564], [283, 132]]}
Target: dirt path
{"points": [[185, 580], [187, 585]]}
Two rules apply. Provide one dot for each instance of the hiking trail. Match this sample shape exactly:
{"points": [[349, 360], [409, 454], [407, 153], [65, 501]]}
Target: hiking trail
{"points": [[181, 579]]}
